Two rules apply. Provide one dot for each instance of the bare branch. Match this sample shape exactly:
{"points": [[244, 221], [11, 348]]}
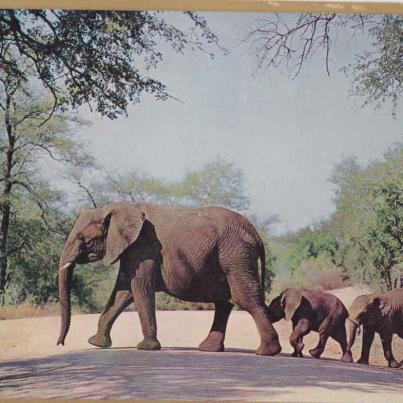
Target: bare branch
{"points": [[48, 150], [277, 44], [16, 249], [76, 179], [87, 191]]}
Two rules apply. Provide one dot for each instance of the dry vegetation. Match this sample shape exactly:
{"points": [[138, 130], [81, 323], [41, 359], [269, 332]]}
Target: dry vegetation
{"points": [[28, 309]]}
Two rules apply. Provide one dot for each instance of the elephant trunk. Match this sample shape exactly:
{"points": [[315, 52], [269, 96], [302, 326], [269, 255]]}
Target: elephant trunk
{"points": [[65, 285], [353, 328]]}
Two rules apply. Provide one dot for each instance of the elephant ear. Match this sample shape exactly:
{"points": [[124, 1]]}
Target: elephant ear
{"points": [[124, 223], [291, 300], [383, 305]]}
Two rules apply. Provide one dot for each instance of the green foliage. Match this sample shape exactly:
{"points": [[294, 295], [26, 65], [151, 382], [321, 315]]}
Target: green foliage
{"points": [[363, 237], [136, 186], [378, 72], [217, 183], [306, 244], [30, 132], [307, 259], [384, 234], [33, 270], [165, 302], [99, 58], [367, 220]]}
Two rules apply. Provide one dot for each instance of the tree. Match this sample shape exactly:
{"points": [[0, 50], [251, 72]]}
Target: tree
{"points": [[384, 235], [98, 58], [367, 204], [308, 243], [23, 144], [32, 269], [217, 182], [289, 41]]}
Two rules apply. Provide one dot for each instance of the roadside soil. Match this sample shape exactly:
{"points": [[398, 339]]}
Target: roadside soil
{"points": [[27, 345], [36, 337]]}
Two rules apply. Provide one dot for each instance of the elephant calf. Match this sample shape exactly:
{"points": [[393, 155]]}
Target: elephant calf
{"points": [[311, 310], [381, 313]]}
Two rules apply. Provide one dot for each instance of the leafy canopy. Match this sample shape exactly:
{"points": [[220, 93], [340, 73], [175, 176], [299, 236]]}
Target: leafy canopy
{"points": [[289, 41], [99, 58]]}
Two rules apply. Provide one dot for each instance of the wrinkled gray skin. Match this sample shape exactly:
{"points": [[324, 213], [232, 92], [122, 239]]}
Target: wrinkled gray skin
{"points": [[381, 313], [311, 310], [197, 254]]}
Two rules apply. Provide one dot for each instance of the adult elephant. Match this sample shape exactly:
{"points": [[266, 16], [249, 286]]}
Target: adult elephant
{"points": [[381, 313], [205, 254], [311, 310]]}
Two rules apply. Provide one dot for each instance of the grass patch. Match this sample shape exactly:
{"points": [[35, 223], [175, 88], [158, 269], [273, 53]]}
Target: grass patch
{"points": [[29, 310], [163, 302]]}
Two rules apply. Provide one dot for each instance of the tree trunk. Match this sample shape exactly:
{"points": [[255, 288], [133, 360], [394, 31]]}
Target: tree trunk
{"points": [[6, 203]]}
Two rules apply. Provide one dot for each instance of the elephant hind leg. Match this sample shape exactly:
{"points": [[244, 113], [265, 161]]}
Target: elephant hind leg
{"points": [[214, 342], [247, 293]]}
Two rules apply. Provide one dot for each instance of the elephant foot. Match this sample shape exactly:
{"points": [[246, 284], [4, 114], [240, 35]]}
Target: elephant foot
{"points": [[394, 364], [149, 344], [298, 347], [363, 361], [347, 357], [100, 340], [315, 353], [214, 343], [269, 349], [297, 354]]}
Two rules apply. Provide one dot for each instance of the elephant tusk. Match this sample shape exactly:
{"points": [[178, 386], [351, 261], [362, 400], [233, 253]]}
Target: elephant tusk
{"points": [[66, 266]]}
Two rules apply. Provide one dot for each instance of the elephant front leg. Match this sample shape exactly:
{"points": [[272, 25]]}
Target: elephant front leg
{"points": [[143, 289], [301, 329], [367, 339], [119, 300], [387, 350], [323, 336], [214, 342]]}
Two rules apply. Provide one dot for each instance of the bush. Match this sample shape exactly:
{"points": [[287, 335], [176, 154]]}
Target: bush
{"points": [[165, 302]]}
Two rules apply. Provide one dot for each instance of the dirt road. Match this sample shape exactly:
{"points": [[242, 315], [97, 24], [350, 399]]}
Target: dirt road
{"points": [[32, 366]]}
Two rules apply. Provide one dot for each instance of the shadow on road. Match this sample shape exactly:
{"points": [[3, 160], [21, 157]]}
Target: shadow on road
{"points": [[178, 374]]}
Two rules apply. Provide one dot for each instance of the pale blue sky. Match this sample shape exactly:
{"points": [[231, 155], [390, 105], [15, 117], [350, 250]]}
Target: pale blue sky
{"points": [[285, 135]]}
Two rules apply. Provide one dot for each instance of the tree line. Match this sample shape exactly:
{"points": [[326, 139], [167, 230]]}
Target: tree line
{"points": [[361, 241]]}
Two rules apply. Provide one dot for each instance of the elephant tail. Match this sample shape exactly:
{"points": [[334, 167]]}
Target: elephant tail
{"points": [[262, 257]]}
